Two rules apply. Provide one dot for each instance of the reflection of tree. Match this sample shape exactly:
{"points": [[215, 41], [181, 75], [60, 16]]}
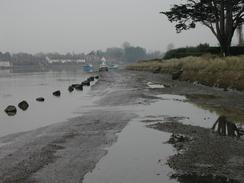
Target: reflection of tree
{"points": [[240, 35], [194, 178]]}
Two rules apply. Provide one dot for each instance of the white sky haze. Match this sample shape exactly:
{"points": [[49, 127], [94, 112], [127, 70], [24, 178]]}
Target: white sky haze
{"points": [[83, 25]]}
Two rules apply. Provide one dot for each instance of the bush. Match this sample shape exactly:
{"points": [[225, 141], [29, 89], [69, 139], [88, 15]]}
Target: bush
{"points": [[200, 50]]}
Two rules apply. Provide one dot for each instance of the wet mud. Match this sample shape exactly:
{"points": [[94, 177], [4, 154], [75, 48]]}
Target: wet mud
{"points": [[127, 123]]}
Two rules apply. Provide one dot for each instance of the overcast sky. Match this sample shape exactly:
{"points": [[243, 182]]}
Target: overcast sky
{"points": [[83, 25]]}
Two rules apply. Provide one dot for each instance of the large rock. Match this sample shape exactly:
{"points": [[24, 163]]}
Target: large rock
{"points": [[176, 75], [74, 85], [96, 77], [91, 78], [71, 88], [57, 93], [86, 83], [11, 110], [79, 87], [23, 105], [40, 99]]}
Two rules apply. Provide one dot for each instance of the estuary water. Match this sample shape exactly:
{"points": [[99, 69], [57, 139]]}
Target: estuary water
{"points": [[16, 86]]}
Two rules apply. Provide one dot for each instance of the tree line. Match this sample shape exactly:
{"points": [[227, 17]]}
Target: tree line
{"points": [[126, 53]]}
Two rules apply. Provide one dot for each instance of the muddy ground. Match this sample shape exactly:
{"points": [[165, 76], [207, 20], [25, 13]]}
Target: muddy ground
{"points": [[65, 152]]}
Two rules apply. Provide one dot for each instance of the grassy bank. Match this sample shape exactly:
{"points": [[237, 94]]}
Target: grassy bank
{"points": [[208, 70]]}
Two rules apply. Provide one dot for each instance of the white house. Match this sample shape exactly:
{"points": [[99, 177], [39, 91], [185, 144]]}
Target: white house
{"points": [[5, 64]]}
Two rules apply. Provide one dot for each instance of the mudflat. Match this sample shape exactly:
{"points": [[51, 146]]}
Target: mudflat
{"points": [[67, 151]]}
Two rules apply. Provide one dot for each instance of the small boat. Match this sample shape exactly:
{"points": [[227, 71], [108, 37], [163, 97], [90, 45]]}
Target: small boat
{"points": [[113, 66], [88, 68], [103, 66]]}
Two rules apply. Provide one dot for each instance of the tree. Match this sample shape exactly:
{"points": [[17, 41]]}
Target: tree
{"points": [[115, 52], [133, 54], [222, 17]]}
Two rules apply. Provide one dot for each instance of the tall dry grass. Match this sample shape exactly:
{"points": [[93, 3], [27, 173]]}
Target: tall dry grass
{"points": [[209, 70]]}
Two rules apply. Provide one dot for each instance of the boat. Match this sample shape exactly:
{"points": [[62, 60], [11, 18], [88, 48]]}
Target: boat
{"points": [[88, 68], [113, 66], [103, 66]]}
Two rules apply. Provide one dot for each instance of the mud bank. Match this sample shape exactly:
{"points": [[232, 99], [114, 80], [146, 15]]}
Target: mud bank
{"points": [[202, 153], [229, 103], [60, 153], [67, 151]]}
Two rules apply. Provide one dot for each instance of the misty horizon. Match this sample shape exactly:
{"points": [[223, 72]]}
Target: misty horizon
{"points": [[82, 26]]}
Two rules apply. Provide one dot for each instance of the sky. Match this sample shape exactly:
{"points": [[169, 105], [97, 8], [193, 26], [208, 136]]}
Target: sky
{"points": [[83, 25]]}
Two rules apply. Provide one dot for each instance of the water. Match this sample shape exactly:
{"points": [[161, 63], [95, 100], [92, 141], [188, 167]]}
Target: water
{"points": [[15, 87], [137, 157], [140, 154]]}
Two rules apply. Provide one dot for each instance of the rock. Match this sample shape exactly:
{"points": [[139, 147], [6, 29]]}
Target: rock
{"points": [[23, 105], [195, 83], [96, 77], [79, 87], [57, 93], [86, 83], [91, 78], [178, 140], [11, 110], [175, 138], [71, 88], [74, 85], [157, 70], [40, 99], [167, 86], [176, 75]]}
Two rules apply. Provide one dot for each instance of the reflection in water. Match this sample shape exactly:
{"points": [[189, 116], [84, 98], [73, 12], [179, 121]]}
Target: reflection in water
{"points": [[233, 113], [26, 69], [140, 154], [193, 178]]}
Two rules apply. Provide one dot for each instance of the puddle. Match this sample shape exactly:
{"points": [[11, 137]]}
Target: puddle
{"points": [[154, 85], [140, 154], [138, 157], [177, 106]]}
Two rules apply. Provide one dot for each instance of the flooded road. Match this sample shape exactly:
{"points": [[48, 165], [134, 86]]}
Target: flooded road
{"points": [[16, 87]]}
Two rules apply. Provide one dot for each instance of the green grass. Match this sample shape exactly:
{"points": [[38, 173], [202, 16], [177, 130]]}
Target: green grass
{"points": [[210, 70]]}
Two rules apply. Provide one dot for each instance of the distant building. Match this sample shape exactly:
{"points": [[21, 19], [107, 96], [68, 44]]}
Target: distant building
{"points": [[65, 61], [5, 64]]}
